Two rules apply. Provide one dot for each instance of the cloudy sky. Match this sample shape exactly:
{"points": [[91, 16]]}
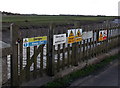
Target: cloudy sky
{"points": [[55, 7]]}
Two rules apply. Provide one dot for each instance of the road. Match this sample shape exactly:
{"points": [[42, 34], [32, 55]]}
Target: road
{"points": [[108, 76]]}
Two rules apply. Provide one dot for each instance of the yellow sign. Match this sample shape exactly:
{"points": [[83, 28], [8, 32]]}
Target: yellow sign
{"points": [[100, 36], [78, 39], [78, 35], [35, 39], [71, 39], [71, 36]]}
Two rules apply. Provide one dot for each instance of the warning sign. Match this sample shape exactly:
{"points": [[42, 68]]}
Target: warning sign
{"points": [[71, 36], [27, 42], [35, 39], [102, 35], [78, 35]]}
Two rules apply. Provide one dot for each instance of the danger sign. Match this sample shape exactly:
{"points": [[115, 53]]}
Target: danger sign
{"points": [[71, 36], [78, 35], [102, 35]]}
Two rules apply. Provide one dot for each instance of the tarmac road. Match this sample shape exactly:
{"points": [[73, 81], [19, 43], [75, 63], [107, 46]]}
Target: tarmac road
{"points": [[107, 77]]}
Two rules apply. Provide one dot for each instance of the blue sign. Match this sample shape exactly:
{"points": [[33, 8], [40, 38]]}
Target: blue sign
{"points": [[28, 44]]}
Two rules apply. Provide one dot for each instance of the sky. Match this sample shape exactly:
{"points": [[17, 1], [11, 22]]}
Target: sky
{"points": [[56, 7]]}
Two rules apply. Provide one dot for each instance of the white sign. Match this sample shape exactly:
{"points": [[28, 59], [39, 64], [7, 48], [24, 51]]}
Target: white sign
{"points": [[59, 39], [71, 32], [87, 35]]}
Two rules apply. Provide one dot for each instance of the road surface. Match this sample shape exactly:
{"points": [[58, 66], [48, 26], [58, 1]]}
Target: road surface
{"points": [[108, 76]]}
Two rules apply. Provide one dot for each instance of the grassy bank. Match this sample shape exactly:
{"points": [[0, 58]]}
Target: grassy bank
{"points": [[66, 80], [51, 18], [55, 19]]}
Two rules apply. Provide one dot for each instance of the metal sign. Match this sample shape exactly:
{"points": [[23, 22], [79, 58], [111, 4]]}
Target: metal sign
{"points": [[71, 36], [78, 35], [87, 35], [59, 39], [27, 42], [102, 35]]}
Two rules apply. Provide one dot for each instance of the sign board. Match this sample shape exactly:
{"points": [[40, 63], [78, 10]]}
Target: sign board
{"points": [[27, 42], [102, 35], [59, 39], [71, 36], [78, 36], [87, 35]]}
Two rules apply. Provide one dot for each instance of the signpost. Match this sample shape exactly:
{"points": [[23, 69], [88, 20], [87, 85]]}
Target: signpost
{"points": [[59, 39], [27, 42]]}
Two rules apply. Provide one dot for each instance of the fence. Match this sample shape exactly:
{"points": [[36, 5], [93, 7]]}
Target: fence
{"points": [[32, 62]]}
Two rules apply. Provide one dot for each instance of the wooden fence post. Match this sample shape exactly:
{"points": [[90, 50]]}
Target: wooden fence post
{"points": [[75, 48], [95, 42], [107, 43], [14, 56], [50, 52]]}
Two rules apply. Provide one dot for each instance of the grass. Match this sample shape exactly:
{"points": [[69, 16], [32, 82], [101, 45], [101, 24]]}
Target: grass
{"points": [[47, 19], [66, 80]]}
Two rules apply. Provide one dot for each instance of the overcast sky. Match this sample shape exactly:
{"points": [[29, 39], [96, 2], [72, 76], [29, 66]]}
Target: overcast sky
{"points": [[55, 7]]}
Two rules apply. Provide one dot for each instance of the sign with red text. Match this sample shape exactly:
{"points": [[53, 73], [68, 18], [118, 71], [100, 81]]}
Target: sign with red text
{"points": [[102, 35]]}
